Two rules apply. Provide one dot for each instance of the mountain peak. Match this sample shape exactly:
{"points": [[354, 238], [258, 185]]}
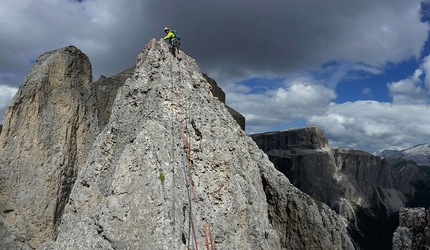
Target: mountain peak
{"points": [[170, 169], [419, 153]]}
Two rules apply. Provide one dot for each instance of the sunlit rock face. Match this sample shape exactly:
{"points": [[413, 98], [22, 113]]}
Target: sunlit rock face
{"points": [[166, 167], [48, 129], [133, 193]]}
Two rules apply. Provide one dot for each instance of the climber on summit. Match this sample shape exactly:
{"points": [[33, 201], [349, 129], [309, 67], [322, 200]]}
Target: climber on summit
{"points": [[174, 40]]}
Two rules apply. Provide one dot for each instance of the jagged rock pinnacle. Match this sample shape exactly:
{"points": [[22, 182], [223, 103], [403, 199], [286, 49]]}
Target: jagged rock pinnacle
{"points": [[46, 135], [172, 169], [133, 191]]}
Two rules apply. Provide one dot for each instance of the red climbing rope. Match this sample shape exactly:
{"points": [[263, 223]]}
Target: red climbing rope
{"points": [[188, 156]]}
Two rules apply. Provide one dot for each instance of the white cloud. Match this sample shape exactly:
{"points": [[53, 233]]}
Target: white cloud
{"points": [[416, 76], [425, 66], [374, 126], [238, 40], [366, 68], [6, 94], [411, 89], [368, 125], [367, 92], [298, 98], [407, 91]]}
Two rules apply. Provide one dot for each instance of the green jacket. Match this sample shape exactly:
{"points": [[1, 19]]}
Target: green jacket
{"points": [[169, 36]]}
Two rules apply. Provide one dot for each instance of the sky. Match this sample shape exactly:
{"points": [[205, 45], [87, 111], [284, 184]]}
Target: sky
{"points": [[359, 70]]}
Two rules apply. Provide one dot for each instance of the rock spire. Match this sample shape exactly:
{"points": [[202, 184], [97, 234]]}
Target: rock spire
{"points": [[172, 169], [47, 132]]}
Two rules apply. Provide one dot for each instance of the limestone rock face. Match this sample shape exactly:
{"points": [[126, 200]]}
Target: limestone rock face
{"points": [[359, 186], [105, 90], [413, 231], [238, 117], [219, 93], [48, 129], [334, 176], [8, 238], [216, 91], [305, 138], [410, 171], [173, 169]]}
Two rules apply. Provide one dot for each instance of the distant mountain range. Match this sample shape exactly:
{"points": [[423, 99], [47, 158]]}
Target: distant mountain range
{"points": [[419, 153]]}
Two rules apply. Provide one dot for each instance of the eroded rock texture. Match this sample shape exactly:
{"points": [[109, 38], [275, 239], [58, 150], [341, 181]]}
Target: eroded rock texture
{"points": [[105, 90], [172, 163], [219, 93], [48, 129], [171, 168], [413, 231]]}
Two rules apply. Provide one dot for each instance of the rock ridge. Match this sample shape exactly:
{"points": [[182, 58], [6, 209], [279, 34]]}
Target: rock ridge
{"points": [[167, 167], [134, 176]]}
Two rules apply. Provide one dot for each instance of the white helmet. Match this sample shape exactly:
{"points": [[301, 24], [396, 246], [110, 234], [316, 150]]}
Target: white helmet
{"points": [[165, 29]]}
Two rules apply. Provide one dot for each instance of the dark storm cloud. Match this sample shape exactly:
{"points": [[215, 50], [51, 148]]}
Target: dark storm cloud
{"points": [[233, 40], [241, 37]]}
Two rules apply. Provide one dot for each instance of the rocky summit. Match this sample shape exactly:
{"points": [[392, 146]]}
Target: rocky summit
{"points": [[163, 166]]}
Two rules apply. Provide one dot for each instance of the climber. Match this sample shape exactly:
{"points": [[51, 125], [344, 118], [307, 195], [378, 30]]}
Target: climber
{"points": [[174, 40]]}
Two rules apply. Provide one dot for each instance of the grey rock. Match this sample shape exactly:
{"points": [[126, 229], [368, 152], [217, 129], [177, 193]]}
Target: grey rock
{"points": [[48, 128], [172, 163], [361, 187], [238, 117], [413, 231], [302, 222], [391, 154], [219, 93], [216, 91], [105, 90], [303, 138], [411, 173], [9, 240]]}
